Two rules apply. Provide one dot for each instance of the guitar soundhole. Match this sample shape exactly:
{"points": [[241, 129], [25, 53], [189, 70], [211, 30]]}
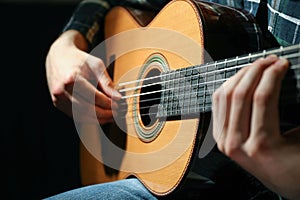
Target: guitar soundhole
{"points": [[150, 97]]}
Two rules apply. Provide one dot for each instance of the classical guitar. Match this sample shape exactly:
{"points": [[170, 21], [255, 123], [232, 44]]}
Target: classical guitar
{"points": [[167, 65]]}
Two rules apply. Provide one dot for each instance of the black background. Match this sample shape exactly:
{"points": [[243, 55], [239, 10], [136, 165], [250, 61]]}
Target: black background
{"points": [[39, 144]]}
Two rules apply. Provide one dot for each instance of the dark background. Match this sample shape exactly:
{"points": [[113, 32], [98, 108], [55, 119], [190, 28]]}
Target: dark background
{"points": [[39, 144]]}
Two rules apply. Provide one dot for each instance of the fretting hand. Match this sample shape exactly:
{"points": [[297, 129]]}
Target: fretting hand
{"points": [[246, 125]]}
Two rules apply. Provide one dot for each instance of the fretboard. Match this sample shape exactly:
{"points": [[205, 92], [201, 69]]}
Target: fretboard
{"points": [[186, 92]]}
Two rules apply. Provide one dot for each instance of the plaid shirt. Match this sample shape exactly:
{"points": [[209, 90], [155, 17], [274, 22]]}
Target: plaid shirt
{"points": [[283, 16]]}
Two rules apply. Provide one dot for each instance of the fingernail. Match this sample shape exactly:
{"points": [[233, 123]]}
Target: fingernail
{"points": [[272, 57], [116, 94], [282, 61]]}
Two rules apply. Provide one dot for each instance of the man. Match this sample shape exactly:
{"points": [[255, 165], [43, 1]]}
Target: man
{"points": [[240, 133]]}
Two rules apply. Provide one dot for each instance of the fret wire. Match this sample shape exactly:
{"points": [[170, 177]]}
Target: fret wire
{"points": [[205, 88], [264, 53], [214, 76]]}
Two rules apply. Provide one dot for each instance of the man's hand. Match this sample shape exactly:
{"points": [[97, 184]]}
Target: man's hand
{"points": [[246, 126], [78, 82]]}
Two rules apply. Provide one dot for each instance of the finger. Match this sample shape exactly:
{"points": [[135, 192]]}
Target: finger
{"points": [[84, 111], [63, 102], [219, 117], [106, 84], [77, 109], [265, 101], [221, 108], [239, 122], [104, 116], [81, 93], [89, 93]]}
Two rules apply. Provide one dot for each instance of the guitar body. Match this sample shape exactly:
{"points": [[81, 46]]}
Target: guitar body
{"points": [[157, 151]]}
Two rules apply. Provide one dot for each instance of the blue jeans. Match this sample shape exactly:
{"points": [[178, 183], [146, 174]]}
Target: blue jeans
{"points": [[124, 189]]}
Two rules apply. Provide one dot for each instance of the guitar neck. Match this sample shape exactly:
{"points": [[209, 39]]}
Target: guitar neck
{"points": [[188, 91]]}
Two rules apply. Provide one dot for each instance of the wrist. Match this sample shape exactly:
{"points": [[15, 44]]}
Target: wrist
{"points": [[73, 38]]}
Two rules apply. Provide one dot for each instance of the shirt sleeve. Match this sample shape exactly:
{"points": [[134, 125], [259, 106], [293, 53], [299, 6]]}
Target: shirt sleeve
{"points": [[88, 16]]}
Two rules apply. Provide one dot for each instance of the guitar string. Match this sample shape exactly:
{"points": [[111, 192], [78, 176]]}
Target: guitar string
{"points": [[205, 105], [183, 94], [257, 55], [201, 95], [204, 75], [207, 65], [198, 85], [213, 73], [173, 71], [191, 113], [197, 67]]}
